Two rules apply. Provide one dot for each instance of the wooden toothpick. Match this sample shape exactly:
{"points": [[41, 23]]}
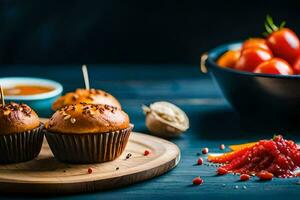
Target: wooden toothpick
{"points": [[2, 96], [86, 77]]}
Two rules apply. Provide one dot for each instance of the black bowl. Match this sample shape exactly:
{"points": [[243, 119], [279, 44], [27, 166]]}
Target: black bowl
{"points": [[272, 101]]}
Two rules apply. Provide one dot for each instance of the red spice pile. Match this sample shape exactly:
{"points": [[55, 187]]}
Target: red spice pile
{"points": [[278, 156]]}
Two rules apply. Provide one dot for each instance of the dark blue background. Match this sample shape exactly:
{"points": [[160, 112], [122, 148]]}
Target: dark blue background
{"points": [[136, 31]]}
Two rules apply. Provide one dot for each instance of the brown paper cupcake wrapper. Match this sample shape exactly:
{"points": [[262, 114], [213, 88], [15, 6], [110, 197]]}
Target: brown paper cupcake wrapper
{"points": [[88, 148], [20, 147]]}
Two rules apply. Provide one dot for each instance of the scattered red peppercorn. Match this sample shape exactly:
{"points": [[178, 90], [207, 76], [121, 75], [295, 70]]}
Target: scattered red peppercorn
{"points": [[244, 177], [146, 153], [222, 171], [205, 150], [265, 176], [197, 181], [90, 170], [222, 147], [199, 161]]}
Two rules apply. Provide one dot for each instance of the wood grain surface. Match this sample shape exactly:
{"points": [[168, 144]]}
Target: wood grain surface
{"points": [[46, 175]]}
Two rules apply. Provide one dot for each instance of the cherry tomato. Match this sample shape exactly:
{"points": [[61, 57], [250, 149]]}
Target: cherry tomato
{"points": [[251, 58], [229, 58], [283, 42], [256, 43], [274, 66], [296, 66]]}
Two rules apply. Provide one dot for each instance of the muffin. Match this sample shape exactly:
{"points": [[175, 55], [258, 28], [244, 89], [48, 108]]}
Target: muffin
{"points": [[21, 134], [88, 133], [91, 96]]}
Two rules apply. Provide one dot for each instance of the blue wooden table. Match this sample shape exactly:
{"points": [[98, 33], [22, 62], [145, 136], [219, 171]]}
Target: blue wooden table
{"points": [[213, 122]]}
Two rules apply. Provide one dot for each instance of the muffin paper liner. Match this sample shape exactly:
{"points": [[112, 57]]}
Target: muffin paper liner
{"points": [[88, 148], [20, 147]]}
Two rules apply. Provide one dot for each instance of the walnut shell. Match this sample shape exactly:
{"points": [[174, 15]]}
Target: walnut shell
{"points": [[164, 119]]}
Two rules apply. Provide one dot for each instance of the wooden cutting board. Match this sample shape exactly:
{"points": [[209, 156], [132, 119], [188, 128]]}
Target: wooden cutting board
{"points": [[46, 175]]}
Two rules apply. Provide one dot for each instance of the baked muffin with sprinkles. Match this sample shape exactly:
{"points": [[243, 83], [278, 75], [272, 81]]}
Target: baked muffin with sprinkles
{"points": [[21, 134], [91, 96], [88, 133]]}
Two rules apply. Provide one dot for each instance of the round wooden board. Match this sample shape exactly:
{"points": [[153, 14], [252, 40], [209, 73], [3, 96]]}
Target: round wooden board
{"points": [[46, 175]]}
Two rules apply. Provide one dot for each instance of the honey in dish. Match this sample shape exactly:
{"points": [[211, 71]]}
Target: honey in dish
{"points": [[26, 90]]}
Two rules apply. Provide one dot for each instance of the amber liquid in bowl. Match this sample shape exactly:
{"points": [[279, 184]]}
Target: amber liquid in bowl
{"points": [[20, 90]]}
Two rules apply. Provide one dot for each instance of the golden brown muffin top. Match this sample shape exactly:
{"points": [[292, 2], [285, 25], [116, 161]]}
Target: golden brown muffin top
{"points": [[17, 118], [91, 96], [87, 118]]}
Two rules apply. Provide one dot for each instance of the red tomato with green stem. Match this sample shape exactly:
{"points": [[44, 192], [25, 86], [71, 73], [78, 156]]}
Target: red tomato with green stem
{"points": [[251, 58], [283, 42], [275, 66]]}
